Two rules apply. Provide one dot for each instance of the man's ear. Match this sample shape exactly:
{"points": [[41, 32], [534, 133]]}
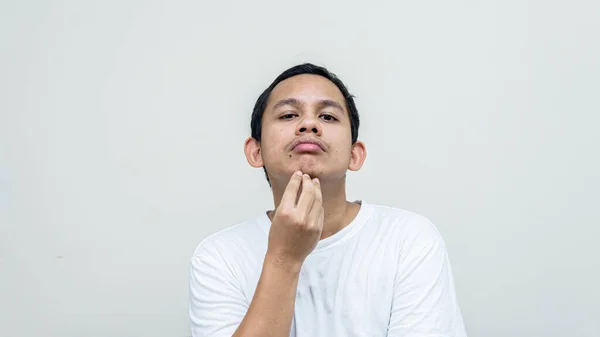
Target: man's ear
{"points": [[253, 153], [357, 156]]}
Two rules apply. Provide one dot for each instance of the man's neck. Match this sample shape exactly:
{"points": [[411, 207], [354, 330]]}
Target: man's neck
{"points": [[338, 211], [338, 214]]}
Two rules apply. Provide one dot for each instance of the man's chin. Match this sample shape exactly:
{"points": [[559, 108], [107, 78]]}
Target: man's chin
{"points": [[312, 173], [316, 174], [308, 169]]}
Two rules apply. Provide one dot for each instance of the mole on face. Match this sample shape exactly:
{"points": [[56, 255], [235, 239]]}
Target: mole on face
{"points": [[290, 156]]}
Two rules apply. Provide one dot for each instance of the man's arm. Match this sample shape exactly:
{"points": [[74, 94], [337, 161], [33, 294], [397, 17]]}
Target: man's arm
{"points": [[217, 304], [218, 307], [424, 303], [294, 233], [272, 308]]}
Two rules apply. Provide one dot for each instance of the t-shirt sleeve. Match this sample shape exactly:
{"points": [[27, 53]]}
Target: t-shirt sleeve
{"points": [[424, 301], [217, 305]]}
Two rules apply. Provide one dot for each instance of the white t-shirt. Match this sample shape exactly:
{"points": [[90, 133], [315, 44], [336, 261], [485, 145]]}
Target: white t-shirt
{"points": [[385, 274]]}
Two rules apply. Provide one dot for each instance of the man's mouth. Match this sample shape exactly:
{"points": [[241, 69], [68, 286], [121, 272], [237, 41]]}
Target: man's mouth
{"points": [[308, 145]]}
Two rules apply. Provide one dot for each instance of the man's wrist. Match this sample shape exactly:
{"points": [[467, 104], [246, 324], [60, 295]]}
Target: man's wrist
{"points": [[275, 263]]}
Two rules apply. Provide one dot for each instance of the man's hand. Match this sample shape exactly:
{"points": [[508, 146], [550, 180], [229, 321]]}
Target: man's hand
{"points": [[296, 228], [295, 232]]}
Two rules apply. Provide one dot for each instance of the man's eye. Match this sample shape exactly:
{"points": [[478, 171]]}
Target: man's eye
{"points": [[288, 116], [328, 118]]}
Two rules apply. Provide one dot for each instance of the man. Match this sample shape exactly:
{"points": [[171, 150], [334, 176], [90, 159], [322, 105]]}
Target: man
{"points": [[318, 265]]}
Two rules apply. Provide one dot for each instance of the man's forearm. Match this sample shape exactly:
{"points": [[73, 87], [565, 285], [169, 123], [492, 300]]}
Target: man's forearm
{"points": [[272, 307]]}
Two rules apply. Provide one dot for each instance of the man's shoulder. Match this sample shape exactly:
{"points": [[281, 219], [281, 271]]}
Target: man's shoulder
{"points": [[404, 224], [234, 238], [394, 213], [397, 215]]}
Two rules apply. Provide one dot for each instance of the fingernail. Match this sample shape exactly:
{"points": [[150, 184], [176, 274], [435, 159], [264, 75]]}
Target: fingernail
{"points": [[316, 180], [299, 173]]}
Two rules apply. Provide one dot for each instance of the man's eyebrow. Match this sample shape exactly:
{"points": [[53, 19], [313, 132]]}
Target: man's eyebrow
{"points": [[326, 103], [286, 101]]}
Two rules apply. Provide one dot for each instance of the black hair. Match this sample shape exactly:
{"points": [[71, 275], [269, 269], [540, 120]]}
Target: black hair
{"points": [[306, 68]]}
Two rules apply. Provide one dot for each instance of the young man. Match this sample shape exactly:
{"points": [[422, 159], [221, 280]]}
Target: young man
{"points": [[318, 265]]}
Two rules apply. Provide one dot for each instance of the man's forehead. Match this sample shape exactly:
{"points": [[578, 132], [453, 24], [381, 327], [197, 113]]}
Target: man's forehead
{"points": [[306, 88]]}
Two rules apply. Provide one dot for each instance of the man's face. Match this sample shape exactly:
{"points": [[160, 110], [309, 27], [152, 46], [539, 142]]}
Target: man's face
{"points": [[306, 108]]}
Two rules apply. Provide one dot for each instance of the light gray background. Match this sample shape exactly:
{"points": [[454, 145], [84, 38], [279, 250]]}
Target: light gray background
{"points": [[122, 124]]}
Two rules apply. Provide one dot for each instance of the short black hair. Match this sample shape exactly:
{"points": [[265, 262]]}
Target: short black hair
{"points": [[301, 69]]}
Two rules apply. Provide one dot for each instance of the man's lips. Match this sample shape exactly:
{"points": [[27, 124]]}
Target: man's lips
{"points": [[308, 145]]}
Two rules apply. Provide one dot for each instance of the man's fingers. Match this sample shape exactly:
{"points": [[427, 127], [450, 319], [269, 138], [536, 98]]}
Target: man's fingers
{"points": [[291, 190], [318, 193], [317, 206], [307, 197]]}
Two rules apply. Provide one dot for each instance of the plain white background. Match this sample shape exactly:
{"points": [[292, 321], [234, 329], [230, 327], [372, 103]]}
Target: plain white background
{"points": [[122, 124]]}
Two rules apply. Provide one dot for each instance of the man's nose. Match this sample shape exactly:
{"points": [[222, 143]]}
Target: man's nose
{"points": [[308, 125]]}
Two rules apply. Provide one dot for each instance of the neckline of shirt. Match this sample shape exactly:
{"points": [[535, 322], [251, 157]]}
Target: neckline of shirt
{"points": [[341, 236]]}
